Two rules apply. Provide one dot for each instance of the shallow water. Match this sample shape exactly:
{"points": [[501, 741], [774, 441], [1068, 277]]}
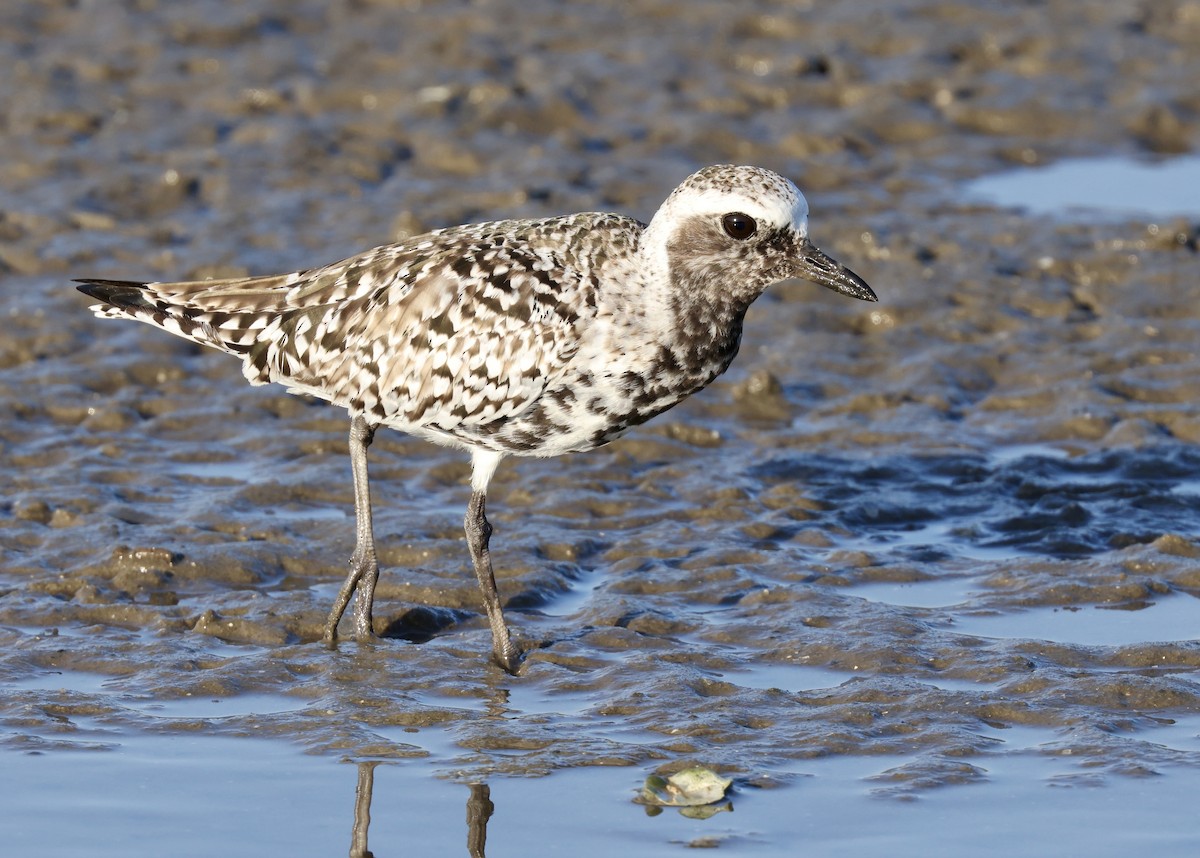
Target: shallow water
{"points": [[198, 795], [1114, 187], [1170, 619], [910, 573]]}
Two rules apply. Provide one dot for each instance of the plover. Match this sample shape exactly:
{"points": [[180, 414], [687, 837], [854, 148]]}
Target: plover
{"points": [[510, 338]]}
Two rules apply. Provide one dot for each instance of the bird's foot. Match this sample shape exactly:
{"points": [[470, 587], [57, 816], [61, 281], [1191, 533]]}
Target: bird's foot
{"points": [[364, 629], [507, 654], [330, 639], [359, 585]]}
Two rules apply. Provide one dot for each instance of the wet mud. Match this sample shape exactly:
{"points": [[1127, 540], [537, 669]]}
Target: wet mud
{"points": [[837, 549]]}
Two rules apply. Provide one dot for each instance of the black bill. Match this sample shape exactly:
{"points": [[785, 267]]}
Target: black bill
{"points": [[816, 267]]}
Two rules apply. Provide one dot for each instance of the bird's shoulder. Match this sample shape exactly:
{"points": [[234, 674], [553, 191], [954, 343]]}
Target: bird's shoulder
{"points": [[483, 281], [484, 262]]}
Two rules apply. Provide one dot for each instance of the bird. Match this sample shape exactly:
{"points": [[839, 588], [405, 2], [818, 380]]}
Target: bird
{"points": [[534, 337]]}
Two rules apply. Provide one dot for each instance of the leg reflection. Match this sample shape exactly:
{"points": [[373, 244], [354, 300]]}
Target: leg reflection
{"points": [[479, 811], [362, 811]]}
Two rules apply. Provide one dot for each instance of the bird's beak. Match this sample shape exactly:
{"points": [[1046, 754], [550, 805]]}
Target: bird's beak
{"points": [[815, 267]]}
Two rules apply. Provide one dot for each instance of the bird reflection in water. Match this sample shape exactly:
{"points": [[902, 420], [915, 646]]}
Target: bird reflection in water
{"points": [[479, 811]]}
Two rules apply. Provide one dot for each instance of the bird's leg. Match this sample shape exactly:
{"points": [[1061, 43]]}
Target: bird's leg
{"points": [[478, 533], [361, 436], [364, 568]]}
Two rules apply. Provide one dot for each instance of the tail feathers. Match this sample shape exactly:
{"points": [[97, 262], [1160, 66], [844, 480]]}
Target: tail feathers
{"points": [[133, 300]]}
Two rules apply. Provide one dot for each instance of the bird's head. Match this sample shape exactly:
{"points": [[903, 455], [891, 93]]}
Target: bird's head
{"points": [[740, 229]]}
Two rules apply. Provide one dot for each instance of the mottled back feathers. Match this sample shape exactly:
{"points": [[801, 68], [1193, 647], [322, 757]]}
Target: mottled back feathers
{"points": [[465, 325]]}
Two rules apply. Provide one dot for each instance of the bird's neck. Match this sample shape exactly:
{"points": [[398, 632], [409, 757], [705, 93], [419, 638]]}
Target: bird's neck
{"points": [[702, 311], [708, 330]]}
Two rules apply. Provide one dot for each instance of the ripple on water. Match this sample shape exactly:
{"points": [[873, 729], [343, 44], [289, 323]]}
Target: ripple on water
{"points": [[572, 601], [111, 691], [1173, 618], [205, 706], [934, 593], [1180, 733], [62, 680], [224, 472], [529, 698], [1025, 500], [787, 677]]}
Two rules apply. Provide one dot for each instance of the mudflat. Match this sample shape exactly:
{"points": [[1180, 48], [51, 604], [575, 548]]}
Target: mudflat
{"points": [[891, 529]]}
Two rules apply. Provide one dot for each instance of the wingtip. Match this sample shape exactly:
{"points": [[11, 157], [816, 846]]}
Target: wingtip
{"points": [[106, 288], [120, 293]]}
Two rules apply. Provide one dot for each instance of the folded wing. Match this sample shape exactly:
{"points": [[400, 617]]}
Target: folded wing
{"points": [[460, 327]]}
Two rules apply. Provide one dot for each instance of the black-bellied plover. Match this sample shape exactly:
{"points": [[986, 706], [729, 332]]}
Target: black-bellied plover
{"points": [[518, 337]]}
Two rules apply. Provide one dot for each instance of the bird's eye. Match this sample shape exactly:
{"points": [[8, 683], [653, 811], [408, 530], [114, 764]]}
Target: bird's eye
{"points": [[739, 226]]}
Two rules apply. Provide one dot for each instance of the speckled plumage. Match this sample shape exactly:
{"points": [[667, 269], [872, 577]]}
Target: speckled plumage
{"points": [[535, 337]]}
